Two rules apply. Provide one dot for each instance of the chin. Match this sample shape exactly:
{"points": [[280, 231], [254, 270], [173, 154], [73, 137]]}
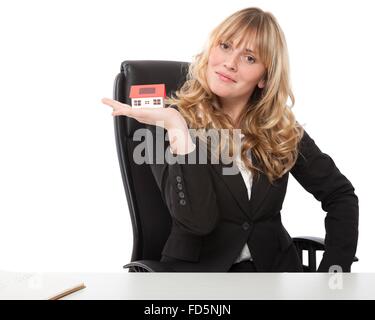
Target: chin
{"points": [[221, 93]]}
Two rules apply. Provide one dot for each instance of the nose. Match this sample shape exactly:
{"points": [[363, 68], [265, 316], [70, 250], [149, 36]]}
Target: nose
{"points": [[231, 62]]}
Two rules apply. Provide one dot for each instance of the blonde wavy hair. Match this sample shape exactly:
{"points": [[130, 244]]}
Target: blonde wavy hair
{"points": [[268, 124]]}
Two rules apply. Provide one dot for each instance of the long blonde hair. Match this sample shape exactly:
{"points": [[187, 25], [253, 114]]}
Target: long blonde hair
{"points": [[268, 124]]}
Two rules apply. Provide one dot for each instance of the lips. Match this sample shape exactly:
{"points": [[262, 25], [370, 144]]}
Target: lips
{"points": [[226, 76]]}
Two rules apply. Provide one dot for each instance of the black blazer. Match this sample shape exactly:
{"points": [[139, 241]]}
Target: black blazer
{"points": [[212, 217]]}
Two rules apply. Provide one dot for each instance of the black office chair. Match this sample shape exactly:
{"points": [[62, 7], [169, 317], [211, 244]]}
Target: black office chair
{"points": [[150, 217]]}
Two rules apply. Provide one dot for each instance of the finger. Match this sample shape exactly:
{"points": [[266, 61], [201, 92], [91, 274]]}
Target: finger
{"points": [[122, 112], [147, 113], [114, 104], [131, 113], [137, 113]]}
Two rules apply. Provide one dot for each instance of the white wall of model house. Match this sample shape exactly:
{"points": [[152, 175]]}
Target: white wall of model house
{"points": [[157, 102]]}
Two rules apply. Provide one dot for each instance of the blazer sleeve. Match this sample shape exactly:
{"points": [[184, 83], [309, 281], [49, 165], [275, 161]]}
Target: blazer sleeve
{"points": [[187, 189], [318, 174]]}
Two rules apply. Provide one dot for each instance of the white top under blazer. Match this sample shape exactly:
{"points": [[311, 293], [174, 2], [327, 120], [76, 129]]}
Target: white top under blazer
{"points": [[248, 179]]}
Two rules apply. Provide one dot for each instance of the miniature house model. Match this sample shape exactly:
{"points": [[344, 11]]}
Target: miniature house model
{"points": [[148, 95]]}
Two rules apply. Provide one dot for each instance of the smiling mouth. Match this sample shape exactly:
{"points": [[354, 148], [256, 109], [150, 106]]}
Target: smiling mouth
{"points": [[224, 78]]}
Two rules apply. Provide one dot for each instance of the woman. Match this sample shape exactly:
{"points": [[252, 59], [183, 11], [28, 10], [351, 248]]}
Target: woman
{"points": [[232, 222]]}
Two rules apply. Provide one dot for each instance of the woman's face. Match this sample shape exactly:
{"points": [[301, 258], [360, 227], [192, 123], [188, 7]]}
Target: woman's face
{"points": [[243, 67]]}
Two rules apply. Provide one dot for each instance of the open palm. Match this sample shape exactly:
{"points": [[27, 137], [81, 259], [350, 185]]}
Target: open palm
{"points": [[168, 118]]}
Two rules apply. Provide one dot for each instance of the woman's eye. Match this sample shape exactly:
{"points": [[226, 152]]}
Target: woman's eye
{"points": [[249, 59], [224, 45]]}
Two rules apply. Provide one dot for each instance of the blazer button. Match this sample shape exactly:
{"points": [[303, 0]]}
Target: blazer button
{"points": [[182, 202], [179, 186], [245, 226], [178, 179], [181, 194]]}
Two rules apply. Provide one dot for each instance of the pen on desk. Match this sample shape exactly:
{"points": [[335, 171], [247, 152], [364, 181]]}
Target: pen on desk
{"points": [[68, 291]]}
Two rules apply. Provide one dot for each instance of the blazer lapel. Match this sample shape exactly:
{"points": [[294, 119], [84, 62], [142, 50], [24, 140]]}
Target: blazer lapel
{"points": [[259, 191], [237, 188]]}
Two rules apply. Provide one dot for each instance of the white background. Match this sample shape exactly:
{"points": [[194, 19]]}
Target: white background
{"points": [[63, 206]]}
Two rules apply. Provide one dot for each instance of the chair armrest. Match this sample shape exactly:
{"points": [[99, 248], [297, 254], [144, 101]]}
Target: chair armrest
{"points": [[311, 244], [316, 242], [148, 266]]}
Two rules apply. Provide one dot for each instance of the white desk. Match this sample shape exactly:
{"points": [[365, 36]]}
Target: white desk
{"points": [[191, 286]]}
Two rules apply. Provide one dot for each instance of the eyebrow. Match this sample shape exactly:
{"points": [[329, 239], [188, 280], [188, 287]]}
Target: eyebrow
{"points": [[247, 49]]}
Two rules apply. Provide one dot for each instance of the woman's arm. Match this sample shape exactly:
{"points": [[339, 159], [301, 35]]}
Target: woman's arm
{"points": [[180, 141], [318, 174], [186, 186]]}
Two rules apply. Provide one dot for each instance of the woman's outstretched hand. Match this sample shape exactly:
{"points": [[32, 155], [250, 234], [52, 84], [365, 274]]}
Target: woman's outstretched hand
{"points": [[168, 118]]}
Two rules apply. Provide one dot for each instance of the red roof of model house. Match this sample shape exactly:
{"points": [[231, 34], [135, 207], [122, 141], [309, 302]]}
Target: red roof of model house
{"points": [[147, 91]]}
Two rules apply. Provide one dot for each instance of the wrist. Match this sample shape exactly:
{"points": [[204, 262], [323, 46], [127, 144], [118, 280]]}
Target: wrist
{"points": [[180, 141]]}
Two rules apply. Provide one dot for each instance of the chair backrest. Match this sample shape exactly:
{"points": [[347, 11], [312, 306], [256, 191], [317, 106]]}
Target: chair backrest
{"points": [[150, 218]]}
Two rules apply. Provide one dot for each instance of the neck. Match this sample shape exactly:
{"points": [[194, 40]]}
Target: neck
{"points": [[234, 113]]}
